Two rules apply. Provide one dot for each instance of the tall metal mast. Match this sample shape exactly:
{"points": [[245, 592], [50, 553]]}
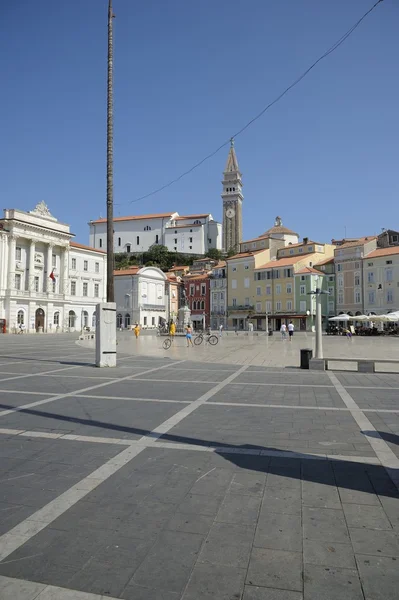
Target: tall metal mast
{"points": [[110, 162]]}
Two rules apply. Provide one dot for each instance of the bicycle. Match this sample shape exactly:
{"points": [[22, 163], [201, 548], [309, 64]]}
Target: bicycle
{"points": [[167, 343], [210, 338]]}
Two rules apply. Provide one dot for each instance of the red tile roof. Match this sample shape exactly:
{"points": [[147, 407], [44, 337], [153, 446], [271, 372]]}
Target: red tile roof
{"points": [[245, 254], [284, 262], [131, 271], [383, 252], [326, 261], [83, 247], [137, 217], [307, 270], [358, 242], [184, 217]]}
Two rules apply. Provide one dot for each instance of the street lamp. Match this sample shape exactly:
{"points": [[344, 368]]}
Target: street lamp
{"points": [[319, 331]]}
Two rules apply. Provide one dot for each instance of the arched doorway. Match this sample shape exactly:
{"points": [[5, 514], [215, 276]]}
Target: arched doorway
{"points": [[127, 321], [39, 319], [85, 319], [119, 320], [71, 319]]}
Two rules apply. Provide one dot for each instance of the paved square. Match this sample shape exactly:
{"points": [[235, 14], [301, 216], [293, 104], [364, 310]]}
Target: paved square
{"points": [[178, 477]]}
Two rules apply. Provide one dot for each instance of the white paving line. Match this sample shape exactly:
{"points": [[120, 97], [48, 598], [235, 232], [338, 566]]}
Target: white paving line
{"points": [[80, 391], [21, 589], [134, 399], [25, 530], [148, 443], [38, 374], [387, 458], [45, 374]]}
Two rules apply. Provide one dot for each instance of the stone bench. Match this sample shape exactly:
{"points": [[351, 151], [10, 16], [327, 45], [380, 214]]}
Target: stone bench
{"points": [[364, 365]]}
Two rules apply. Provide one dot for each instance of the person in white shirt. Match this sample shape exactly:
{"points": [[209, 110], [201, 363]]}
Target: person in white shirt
{"points": [[283, 330], [290, 330]]}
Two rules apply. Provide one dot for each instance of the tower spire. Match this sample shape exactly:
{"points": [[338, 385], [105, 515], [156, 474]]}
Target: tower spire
{"points": [[232, 202], [232, 162]]}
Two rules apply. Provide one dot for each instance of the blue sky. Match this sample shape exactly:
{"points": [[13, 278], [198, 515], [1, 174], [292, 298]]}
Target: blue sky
{"points": [[187, 75]]}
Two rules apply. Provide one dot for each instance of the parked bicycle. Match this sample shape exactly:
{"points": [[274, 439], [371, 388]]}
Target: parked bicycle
{"points": [[209, 337], [167, 343]]}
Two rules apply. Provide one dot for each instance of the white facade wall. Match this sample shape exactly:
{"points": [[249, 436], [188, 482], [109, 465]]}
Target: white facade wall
{"points": [[34, 245], [381, 284], [138, 234], [141, 298], [192, 235]]}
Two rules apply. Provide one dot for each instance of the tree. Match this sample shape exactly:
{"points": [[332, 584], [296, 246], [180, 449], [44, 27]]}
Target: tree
{"points": [[159, 255], [214, 253], [231, 252]]}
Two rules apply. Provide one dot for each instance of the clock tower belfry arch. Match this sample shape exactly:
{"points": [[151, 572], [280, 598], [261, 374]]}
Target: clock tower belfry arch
{"points": [[232, 202]]}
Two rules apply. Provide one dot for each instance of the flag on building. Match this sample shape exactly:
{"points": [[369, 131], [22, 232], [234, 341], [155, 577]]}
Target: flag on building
{"points": [[52, 276]]}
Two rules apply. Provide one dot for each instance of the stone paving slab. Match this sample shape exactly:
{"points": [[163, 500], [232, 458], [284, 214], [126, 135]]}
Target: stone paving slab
{"points": [[173, 523]]}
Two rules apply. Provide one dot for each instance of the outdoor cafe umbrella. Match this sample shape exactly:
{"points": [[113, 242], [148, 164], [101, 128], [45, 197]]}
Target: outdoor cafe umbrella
{"points": [[360, 318], [389, 318], [343, 317]]}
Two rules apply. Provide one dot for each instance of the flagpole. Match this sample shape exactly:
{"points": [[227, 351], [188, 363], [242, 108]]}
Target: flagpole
{"points": [[110, 163]]}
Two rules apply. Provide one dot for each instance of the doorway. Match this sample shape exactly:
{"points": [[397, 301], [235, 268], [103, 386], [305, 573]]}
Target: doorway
{"points": [[39, 319]]}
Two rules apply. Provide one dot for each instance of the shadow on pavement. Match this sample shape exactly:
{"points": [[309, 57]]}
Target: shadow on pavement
{"points": [[385, 435], [357, 476]]}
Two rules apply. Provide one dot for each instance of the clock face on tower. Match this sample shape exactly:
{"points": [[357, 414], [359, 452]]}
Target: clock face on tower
{"points": [[230, 212]]}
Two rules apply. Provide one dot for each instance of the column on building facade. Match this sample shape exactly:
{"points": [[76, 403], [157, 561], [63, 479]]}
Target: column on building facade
{"points": [[11, 261], [48, 286], [31, 279], [64, 270], [3, 264]]}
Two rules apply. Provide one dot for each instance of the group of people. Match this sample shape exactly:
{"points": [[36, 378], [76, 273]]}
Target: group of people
{"points": [[287, 328]]}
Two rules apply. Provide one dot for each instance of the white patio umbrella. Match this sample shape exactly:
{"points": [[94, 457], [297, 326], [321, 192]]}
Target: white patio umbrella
{"points": [[359, 318], [343, 317]]}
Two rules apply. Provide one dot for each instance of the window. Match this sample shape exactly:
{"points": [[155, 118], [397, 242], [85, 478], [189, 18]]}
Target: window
{"points": [[246, 267], [339, 267], [357, 265], [300, 250], [234, 284], [119, 320], [153, 321], [389, 295], [234, 269], [73, 288], [331, 278], [370, 264], [73, 264], [331, 291], [191, 290], [287, 272], [127, 320], [145, 322], [253, 244], [56, 318], [175, 241], [246, 301], [289, 288], [268, 290], [157, 239], [278, 305], [128, 248], [197, 222], [96, 290], [85, 288], [291, 252], [330, 307], [202, 304], [372, 297], [394, 238], [175, 248], [310, 248], [302, 306], [303, 278], [276, 274], [246, 282], [289, 304], [340, 298], [388, 262], [100, 243], [269, 274], [37, 281], [278, 289], [357, 297], [190, 247], [340, 281], [147, 228], [138, 240], [388, 275], [259, 307], [191, 240], [221, 295], [85, 265], [119, 241], [203, 289], [54, 260], [357, 279], [268, 306], [54, 285], [18, 253], [370, 277], [302, 290], [71, 318], [234, 301], [258, 291], [17, 281], [97, 267]]}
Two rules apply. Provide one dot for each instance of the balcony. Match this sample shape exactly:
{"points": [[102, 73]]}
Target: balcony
{"points": [[159, 307], [241, 307]]}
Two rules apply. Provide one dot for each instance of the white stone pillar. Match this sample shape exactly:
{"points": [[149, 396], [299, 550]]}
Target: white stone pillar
{"points": [[48, 287], [3, 263], [64, 268], [11, 261], [31, 279]]}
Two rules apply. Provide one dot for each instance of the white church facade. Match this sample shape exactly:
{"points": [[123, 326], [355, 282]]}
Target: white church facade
{"points": [[48, 282]]}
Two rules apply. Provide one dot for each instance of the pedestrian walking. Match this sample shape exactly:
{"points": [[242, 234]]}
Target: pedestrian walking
{"points": [[189, 332], [137, 330], [220, 330], [290, 330], [283, 330], [172, 329]]}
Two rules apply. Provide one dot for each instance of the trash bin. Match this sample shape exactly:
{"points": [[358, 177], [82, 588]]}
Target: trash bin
{"points": [[306, 355]]}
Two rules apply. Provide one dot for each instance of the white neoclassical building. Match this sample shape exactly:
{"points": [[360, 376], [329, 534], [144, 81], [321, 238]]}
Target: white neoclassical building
{"points": [[48, 283], [140, 297]]}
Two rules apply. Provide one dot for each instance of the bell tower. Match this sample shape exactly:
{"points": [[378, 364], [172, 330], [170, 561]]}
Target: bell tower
{"points": [[232, 202]]}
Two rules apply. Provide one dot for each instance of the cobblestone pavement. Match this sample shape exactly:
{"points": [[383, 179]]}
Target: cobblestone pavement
{"points": [[170, 479]]}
